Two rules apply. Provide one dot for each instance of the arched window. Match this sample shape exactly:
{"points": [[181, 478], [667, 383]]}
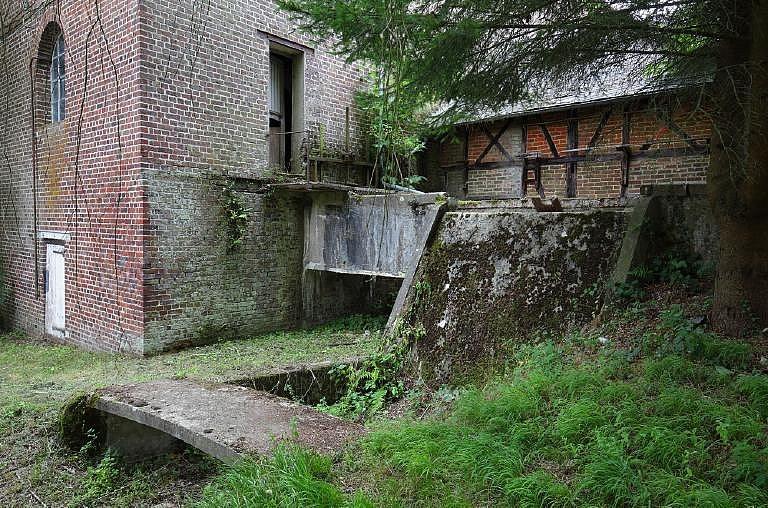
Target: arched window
{"points": [[49, 86], [58, 81]]}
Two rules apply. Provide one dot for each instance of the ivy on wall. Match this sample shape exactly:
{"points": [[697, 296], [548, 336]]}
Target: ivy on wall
{"points": [[234, 217], [5, 300]]}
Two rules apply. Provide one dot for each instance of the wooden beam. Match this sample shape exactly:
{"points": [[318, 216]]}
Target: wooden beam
{"points": [[607, 157], [626, 153], [573, 143], [494, 142], [537, 178], [600, 126], [666, 117], [550, 142], [524, 146], [465, 172], [491, 165]]}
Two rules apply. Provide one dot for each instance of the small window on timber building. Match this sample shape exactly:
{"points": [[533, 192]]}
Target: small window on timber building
{"points": [[58, 81]]}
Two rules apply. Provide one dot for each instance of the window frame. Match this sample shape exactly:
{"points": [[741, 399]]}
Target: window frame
{"points": [[57, 75]]}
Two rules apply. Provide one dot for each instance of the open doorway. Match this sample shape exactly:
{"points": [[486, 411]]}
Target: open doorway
{"points": [[286, 107]]}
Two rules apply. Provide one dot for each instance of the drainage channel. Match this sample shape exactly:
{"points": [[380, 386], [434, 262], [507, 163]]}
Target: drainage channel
{"points": [[309, 384]]}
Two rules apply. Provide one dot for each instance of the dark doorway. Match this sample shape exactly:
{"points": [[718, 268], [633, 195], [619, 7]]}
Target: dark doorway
{"points": [[280, 111]]}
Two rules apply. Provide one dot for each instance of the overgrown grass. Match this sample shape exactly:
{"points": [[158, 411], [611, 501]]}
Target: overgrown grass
{"points": [[293, 477], [680, 423], [671, 433], [671, 415], [36, 378]]}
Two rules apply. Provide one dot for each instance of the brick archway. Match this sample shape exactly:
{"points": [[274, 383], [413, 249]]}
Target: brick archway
{"points": [[42, 73]]}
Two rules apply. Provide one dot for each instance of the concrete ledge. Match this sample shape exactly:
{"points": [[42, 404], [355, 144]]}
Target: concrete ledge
{"points": [[527, 203]]}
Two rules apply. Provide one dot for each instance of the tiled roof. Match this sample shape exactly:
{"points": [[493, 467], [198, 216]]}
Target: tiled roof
{"points": [[597, 91]]}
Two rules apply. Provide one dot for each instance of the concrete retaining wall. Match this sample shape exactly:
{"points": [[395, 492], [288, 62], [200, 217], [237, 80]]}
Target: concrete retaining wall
{"points": [[491, 277], [673, 220]]}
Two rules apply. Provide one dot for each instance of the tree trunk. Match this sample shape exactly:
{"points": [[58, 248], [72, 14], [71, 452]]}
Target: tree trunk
{"points": [[738, 175], [741, 285]]}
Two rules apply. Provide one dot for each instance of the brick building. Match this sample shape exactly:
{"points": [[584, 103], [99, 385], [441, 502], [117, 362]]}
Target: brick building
{"points": [[600, 143], [123, 123]]}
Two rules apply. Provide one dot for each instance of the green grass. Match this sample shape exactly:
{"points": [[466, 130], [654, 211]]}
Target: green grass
{"points": [[662, 414], [37, 378], [293, 477], [562, 428], [35, 373]]}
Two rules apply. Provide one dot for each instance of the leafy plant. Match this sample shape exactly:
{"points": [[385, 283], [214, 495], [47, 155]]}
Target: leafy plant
{"points": [[680, 335], [631, 289], [234, 217], [101, 479], [378, 379], [396, 129]]}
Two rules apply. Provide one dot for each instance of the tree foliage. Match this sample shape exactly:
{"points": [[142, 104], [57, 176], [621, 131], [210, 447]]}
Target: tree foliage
{"points": [[470, 55], [485, 53]]}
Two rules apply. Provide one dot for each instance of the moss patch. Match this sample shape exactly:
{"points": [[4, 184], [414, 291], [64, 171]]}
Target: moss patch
{"points": [[502, 278], [79, 425]]}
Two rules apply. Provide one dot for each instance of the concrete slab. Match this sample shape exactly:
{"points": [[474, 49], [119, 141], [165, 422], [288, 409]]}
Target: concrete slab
{"points": [[222, 420]]}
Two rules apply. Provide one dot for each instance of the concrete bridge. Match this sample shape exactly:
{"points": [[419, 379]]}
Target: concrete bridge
{"points": [[225, 421]]}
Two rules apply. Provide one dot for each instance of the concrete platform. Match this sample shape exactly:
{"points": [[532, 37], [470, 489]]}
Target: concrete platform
{"points": [[224, 421]]}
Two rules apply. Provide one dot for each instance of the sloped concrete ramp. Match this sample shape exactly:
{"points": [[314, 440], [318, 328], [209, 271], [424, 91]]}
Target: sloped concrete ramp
{"points": [[224, 421]]}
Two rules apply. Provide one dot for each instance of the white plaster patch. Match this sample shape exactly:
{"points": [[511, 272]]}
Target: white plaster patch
{"points": [[501, 276]]}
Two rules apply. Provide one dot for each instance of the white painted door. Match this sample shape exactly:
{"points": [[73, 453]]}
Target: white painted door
{"points": [[54, 291]]}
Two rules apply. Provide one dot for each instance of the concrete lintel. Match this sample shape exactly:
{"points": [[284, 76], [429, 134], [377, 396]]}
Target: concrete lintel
{"points": [[53, 235], [325, 187]]}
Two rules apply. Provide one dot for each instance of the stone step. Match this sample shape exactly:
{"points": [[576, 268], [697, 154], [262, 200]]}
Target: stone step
{"points": [[225, 421]]}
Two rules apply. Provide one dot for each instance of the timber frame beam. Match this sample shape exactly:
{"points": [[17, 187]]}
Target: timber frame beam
{"points": [[494, 141]]}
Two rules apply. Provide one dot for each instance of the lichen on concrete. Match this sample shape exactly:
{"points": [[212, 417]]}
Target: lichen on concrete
{"points": [[507, 276]]}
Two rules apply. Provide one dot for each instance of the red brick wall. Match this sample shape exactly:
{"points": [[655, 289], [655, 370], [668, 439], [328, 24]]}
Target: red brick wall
{"points": [[95, 197], [594, 178], [443, 163], [144, 249], [603, 179]]}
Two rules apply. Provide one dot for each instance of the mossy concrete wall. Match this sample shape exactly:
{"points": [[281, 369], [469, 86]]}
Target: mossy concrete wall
{"points": [[686, 226], [673, 220], [492, 277]]}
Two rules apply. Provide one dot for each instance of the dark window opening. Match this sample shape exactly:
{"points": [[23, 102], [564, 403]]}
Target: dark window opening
{"points": [[281, 106], [58, 81], [50, 92]]}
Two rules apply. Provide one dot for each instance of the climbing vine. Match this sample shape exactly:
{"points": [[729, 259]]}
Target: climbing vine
{"points": [[5, 300], [234, 217]]}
